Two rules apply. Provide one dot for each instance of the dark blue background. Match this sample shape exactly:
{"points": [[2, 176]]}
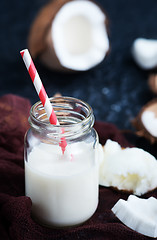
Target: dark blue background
{"points": [[116, 89]]}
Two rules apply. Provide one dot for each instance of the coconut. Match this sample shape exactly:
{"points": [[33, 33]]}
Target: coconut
{"points": [[146, 121], [144, 52], [70, 35], [152, 82]]}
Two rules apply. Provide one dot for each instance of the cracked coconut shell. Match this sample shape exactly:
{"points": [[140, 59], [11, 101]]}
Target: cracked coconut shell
{"points": [[146, 121], [65, 35]]}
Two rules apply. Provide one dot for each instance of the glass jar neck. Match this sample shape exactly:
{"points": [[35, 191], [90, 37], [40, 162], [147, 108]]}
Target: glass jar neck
{"points": [[74, 116]]}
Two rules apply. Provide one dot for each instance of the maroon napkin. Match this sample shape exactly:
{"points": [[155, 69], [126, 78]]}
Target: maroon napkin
{"points": [[15, 209]]}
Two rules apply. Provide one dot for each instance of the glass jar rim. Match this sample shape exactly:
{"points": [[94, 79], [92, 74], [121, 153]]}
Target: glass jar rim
{"points": [[57, 102]]}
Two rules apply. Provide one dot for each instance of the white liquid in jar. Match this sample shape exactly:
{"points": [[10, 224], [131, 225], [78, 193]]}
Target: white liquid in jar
{"points": [[63, 188]]}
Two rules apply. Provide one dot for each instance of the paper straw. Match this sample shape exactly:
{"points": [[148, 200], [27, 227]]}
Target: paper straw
{"points": [[39, 86], [41, 91]]}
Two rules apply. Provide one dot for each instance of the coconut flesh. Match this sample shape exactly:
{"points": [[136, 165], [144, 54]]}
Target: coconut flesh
{"points": [[149, 119], [128, 169], [146, 121], [138, 214], [77, 38], [144, 52]]}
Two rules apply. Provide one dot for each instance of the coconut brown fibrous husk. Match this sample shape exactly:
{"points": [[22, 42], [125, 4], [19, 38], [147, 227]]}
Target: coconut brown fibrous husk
{"points": [[40, 42], [152, 82], [138, 123], [39, 35]]}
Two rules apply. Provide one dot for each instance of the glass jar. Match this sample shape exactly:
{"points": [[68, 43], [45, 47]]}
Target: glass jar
{"points": [[63, 187]]}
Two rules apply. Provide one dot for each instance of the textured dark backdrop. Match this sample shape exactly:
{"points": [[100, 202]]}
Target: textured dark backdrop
{"points": [[117, 88]]}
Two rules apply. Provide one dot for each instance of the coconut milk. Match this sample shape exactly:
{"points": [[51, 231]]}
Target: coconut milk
{"points": [[63, 188]]}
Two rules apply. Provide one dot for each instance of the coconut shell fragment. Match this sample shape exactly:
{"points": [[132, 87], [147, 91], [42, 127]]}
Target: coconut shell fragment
{"points": [[152, 82], [69, 35], [146, 121]]}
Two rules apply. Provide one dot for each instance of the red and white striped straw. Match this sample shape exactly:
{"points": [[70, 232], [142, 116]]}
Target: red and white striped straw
{"points": [[41, 92], [39, 86]]}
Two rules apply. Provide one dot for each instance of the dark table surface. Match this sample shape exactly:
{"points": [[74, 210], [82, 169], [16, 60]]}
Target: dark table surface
{"points": [[116, 89]]}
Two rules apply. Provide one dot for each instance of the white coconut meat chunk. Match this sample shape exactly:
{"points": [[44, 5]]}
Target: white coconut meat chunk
{"points": [[79, 35], [149, 121], [144, 52], [128, 169], [138, 214]]}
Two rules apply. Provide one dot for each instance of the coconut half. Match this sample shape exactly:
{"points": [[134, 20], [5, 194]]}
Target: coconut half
{"points": [[70, 35], [146, 121], [144, 52]]}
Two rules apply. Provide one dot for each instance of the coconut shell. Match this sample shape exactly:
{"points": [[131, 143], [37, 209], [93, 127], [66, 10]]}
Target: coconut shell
{"points": [[41, 26], [152, 82], [40, 41], [138, 124]]}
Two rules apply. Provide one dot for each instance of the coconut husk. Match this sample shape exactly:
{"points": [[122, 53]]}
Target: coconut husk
{"points": [[152, 82], [41, 26]]}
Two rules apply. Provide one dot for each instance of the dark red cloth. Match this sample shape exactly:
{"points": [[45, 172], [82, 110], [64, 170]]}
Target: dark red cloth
{"points": [[15, 208]]}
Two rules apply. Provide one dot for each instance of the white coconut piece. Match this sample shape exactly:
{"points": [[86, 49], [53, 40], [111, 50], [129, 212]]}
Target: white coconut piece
{"points": [[144, 52], [138, 214], [146, 121], [79, 36], [74, 39], [149, 120], [128, 169]]}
